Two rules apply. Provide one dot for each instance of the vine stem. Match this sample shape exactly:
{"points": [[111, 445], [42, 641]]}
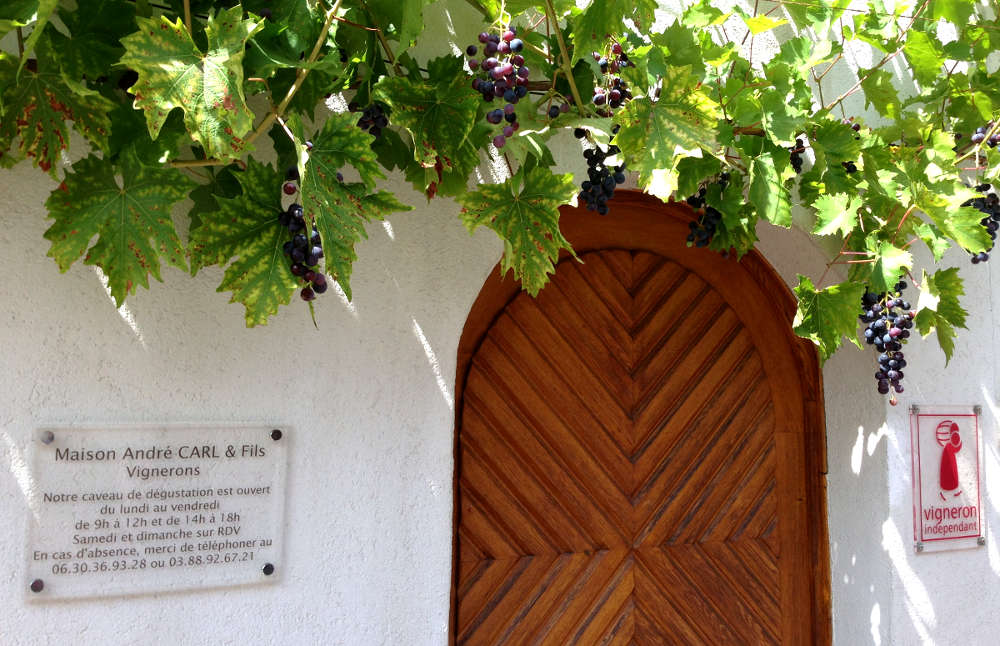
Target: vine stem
{"points": [[881, 63], [187, 17], [901, 221], [20, 43], [281, 107], [567, 68], [843, 249]]}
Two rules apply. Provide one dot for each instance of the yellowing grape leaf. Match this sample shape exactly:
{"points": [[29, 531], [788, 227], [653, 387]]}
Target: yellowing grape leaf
{"points": [[36, 109], [652, 133], [245, 235], [208, 86], [524, 212], [131, 220]]}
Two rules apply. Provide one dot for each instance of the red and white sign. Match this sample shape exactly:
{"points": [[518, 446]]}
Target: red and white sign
{"points": [[947, 473]]}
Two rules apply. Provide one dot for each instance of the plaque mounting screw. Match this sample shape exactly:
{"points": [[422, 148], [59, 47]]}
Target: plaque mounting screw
{"points": [[977, 409], [268, 569], [276, 435], [919, 547], [48, 437], [980, 540], [915, 409], [37, 585]]}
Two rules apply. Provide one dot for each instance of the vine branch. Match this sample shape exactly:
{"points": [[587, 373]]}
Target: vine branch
{"points": [[187, 17], [567, 68], [275, 112]]}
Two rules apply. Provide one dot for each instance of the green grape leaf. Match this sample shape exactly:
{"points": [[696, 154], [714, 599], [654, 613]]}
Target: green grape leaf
{"points": [[438, 114], [36, 109], [43, 11], [945, 210], [835, 213], [890, 263], [880, 92], [768, 193], [954, 11], [402, 20], [222, 182], [825, 316], [924, 55], [208, 87], [337, 209], [131, 220], [524, 212], [245, 236], [342, 143], [680, 122], [17, 13], [93, 47], [780, 118], [940, 310], [593, 25]]}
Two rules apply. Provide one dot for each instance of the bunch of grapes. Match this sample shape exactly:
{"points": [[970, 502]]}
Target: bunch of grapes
{"points": [[989, 204], [303, 252], [980, 135], [611, 90], [703, 229], [373, 118], [796, 155], [503, 75], [889, 320], [602, 180]]}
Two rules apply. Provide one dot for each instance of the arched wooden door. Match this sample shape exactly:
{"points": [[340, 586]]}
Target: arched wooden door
{"points": [[639, 451]]}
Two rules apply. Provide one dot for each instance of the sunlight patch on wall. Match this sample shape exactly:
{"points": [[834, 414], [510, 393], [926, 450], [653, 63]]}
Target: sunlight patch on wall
{"points": [[435, 366], [343, 298], [857, 452], [22, 473], [916, 599], [123, 311]]}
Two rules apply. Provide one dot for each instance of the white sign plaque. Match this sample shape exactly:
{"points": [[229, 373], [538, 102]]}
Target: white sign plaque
{"points": [[131, 510], [947, 477]]}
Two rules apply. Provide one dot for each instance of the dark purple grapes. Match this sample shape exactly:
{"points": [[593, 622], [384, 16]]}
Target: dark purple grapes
{"points": [[599, 187], [703, 228], [502, 75], [989, 205], [889, 320]]}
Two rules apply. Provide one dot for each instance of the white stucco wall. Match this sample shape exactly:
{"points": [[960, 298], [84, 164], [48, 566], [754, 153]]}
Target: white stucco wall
{"points": [[369, 399]]}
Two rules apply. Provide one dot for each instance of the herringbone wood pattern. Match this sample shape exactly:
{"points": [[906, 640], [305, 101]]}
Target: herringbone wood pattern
{"points": [[617, 467]]}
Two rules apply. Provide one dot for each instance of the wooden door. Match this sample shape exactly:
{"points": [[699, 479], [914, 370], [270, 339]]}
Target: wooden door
{"points": [[630, 469]]}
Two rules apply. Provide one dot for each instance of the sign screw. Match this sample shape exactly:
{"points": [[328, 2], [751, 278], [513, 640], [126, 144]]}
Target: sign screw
{"points": [[37, 585], [977, 409], [48, 437], [980, 540], [919, 547], [268, 569], [275, 435]]}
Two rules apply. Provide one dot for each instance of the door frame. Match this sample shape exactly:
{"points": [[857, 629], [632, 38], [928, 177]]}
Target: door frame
{"points": [[638, 222]]}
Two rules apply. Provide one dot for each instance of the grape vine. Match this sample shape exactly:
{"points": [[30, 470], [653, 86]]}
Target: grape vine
{"points": [[684, 108]]}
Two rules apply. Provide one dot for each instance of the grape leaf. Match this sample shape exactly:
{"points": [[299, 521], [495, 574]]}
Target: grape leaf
{"points": [[961, 223], [401, 20], [174, 73], [35, 110], [955, 11], [768, 193], [780, 118], [340, 210], [837, 212], [245, 236], [890, 263], [439, 113], [825, 316], [940, 310], [43, 11], [601, 18], [654, 132], [132, 220], [17, 13], [924, 55], [524, 212], [880, 92], [93, 46], [761, 23]]}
